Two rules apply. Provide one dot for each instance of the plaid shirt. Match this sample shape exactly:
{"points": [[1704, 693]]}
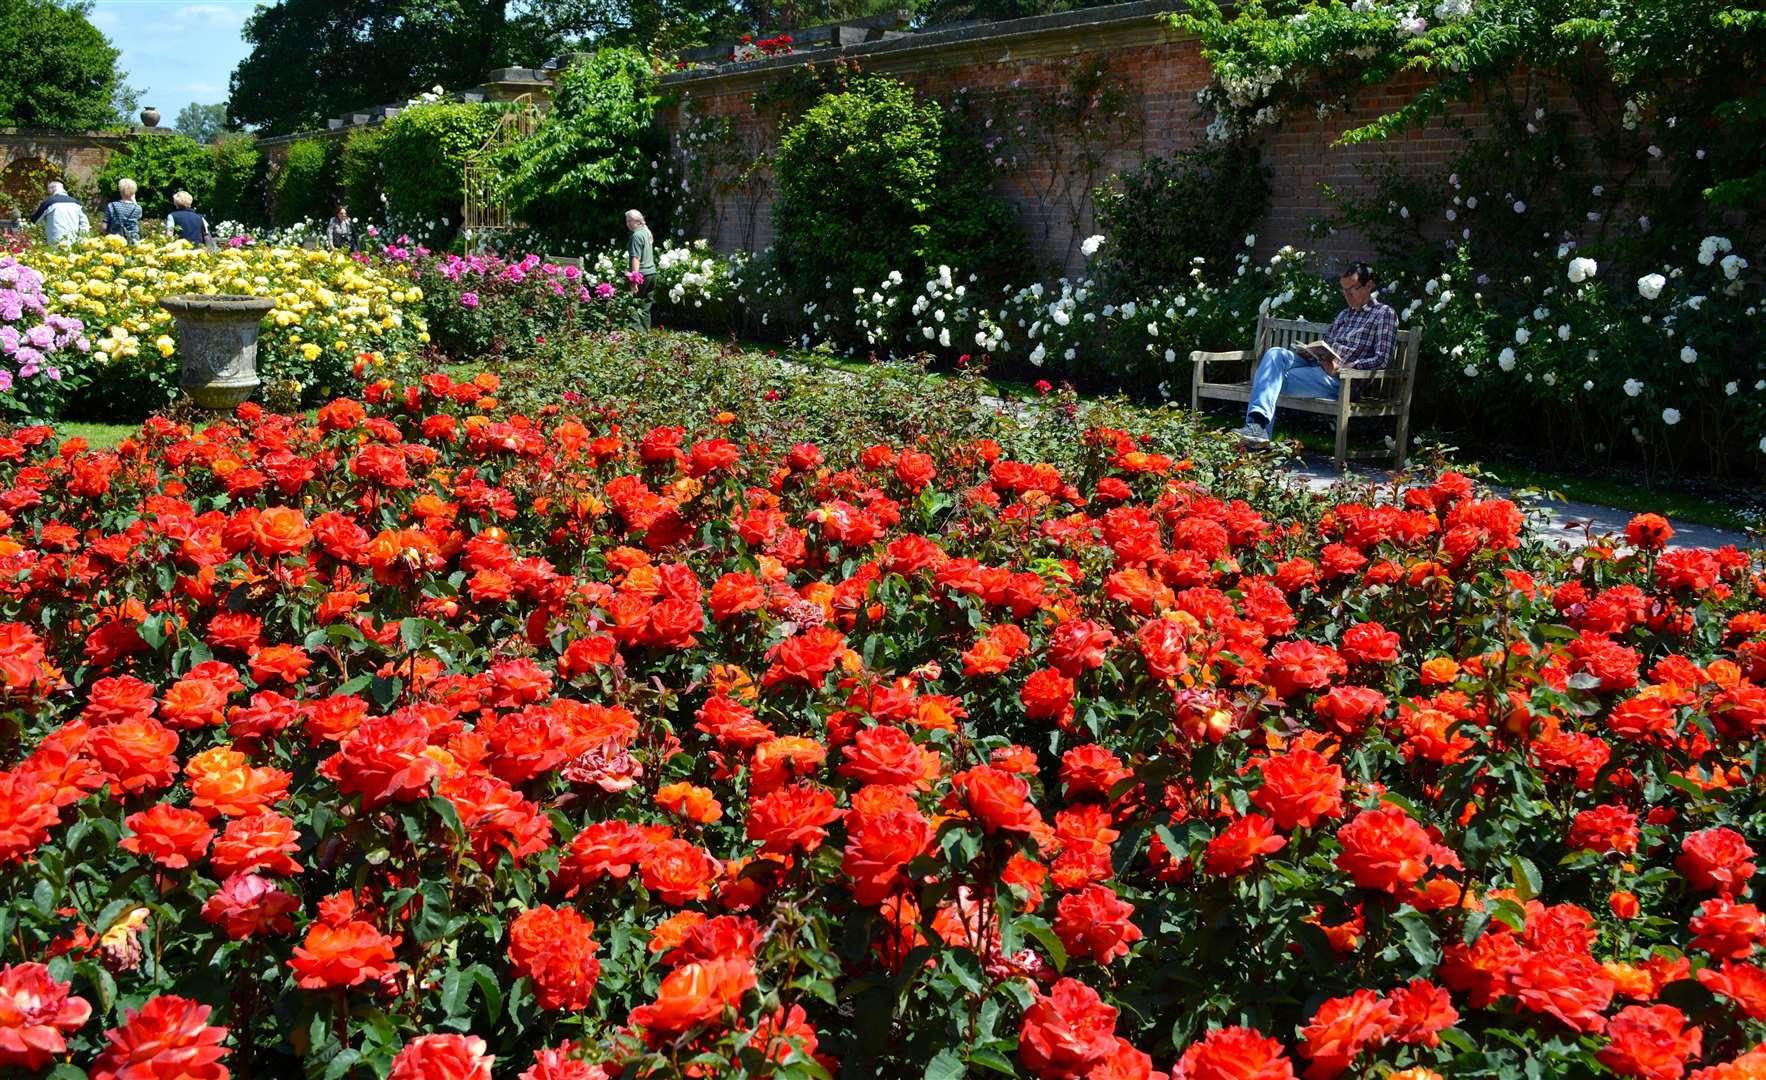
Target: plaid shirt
{"points": [[1364, 336]]}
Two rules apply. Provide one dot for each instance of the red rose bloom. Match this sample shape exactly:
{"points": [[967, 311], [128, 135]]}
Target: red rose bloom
{"points": [[1239, 844], [172, 836], [878, 847], [695, 994], [1650, 1041], [998, 799], [35, 1013], [1067, 1032], [247, 904], [1716, 860], [1384, 849], [384, 759], [165, 1039], [345, 955], [1342, 1028], [791, 818], [1300, 789], [1234, 1053], [553, 948], [442, 1057], [1296, 667], [1047, 695], [1095, 922]]}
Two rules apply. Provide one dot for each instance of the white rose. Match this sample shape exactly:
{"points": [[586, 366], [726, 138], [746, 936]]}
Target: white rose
{"points": [[1733, 265], [1521, 335], [1633, 388], [1670, 417], [1091, 245], [1688, 354], [1471, 371], [1650, 286], [1564, 332], [1506, 359], [1581, 270]]}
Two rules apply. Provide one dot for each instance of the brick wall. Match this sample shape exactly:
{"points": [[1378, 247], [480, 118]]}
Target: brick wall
{"points": [[998, 67]]}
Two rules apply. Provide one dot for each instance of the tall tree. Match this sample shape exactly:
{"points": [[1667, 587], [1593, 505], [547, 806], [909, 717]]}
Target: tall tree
{"points": [[312, 59], [60, 72], [204, 123]]}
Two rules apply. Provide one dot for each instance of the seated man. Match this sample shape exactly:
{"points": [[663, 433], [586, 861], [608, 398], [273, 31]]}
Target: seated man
{"points": [[1361, 336]]}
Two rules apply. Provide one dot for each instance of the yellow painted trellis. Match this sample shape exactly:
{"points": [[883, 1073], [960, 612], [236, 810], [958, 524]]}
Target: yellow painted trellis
{"points": [[486, 207]]}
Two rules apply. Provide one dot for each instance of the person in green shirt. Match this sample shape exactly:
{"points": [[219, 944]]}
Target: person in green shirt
{"points": [[641, 256]]}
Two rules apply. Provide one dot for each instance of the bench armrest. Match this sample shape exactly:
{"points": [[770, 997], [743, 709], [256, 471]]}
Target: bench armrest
{"points": [[1201, 357]]}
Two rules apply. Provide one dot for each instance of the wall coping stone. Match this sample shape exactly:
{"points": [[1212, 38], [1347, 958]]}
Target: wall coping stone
{"points": [[1111, 25]]}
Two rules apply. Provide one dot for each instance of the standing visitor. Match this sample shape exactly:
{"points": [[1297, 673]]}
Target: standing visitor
{"points": [[63, 218], [123, 216], [641, 271], [340, 231], [186, 222]]}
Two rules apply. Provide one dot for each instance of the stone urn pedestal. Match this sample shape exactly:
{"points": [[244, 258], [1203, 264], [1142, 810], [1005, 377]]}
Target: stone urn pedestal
{"points": [[218, 346]]}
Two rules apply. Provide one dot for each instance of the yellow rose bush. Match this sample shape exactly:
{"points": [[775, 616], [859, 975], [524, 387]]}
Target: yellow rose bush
{"points": [[330, 309]]}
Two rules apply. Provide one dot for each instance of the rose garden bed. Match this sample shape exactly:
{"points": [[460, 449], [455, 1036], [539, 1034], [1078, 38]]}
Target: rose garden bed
{"points": [[700, 720]]}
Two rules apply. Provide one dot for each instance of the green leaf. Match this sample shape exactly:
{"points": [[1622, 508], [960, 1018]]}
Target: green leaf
{"points": [[436, 913], [1528, 883], [948, 1065], [994, 1060]]}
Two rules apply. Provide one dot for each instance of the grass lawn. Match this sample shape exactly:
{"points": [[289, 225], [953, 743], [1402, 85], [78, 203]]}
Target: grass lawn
{"points": [[100, 436]]}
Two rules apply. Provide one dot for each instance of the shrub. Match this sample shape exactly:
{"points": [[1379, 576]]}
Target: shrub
{"points": [[591, 157], [1159, 216], [872, 180], [484, 307], [239, 191], [360, 175], [423, 152], [161, 164], [305, 187]]}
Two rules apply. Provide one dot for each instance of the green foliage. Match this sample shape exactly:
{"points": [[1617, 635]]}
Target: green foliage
{"points": [[1685, 73], [239, 180], [873, 180], [312, 59], [305, 187], [423, 153], [204, 123], [590, 158], [1162, 214], [60, 72], [161, 164], [359, 175]]}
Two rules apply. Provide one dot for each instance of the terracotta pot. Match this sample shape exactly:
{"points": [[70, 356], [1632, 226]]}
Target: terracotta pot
{"points": [[218, 346]]}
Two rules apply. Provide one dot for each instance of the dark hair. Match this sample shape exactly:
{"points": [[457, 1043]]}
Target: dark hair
{"points": [[1360, 271]]}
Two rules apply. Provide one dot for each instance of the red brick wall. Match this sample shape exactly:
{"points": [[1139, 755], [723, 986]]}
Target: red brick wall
{"points": [[1161, 77]]}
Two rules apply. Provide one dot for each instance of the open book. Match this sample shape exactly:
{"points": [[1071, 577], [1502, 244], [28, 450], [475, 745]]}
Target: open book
{"points": [[1319, 350]]}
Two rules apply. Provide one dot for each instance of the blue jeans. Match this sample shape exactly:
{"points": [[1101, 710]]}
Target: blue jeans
{"points": [[1284, 371]]}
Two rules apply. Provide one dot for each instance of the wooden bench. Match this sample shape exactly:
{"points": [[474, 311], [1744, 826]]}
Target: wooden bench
{"points": [[1385, 392]]}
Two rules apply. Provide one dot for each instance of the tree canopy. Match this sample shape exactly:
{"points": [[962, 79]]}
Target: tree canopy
{"points": [[312, 59], [60, 72], [204, 123]]}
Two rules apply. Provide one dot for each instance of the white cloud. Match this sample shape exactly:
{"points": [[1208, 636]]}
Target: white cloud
{"points": [[212, 14]]}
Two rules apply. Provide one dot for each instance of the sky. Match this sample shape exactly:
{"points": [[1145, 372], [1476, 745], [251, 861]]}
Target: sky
{"points": [[176, 51]]}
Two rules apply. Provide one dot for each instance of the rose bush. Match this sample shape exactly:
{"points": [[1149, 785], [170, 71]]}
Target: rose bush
{"points": [[490, 307], [429, 737], [330, 308]]}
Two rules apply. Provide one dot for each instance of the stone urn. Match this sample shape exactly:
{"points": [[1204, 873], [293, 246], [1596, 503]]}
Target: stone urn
{"points": [[150, 117], [218, 346]]}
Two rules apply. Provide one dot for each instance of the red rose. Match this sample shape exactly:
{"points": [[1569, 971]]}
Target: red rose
{"points": [[1716, 860], [165, 1039], [1095, 922], [1239, 844], [1067, 1032], [791, 818], [1384, 849], [1650, 1041], [1300, 789], [998, 799], [553, 948], [1234, 1053], [878, 847], [36, 1012], [442, 1057]]}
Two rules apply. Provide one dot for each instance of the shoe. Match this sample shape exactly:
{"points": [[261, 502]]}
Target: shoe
{"points": [[1253, 433]]}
